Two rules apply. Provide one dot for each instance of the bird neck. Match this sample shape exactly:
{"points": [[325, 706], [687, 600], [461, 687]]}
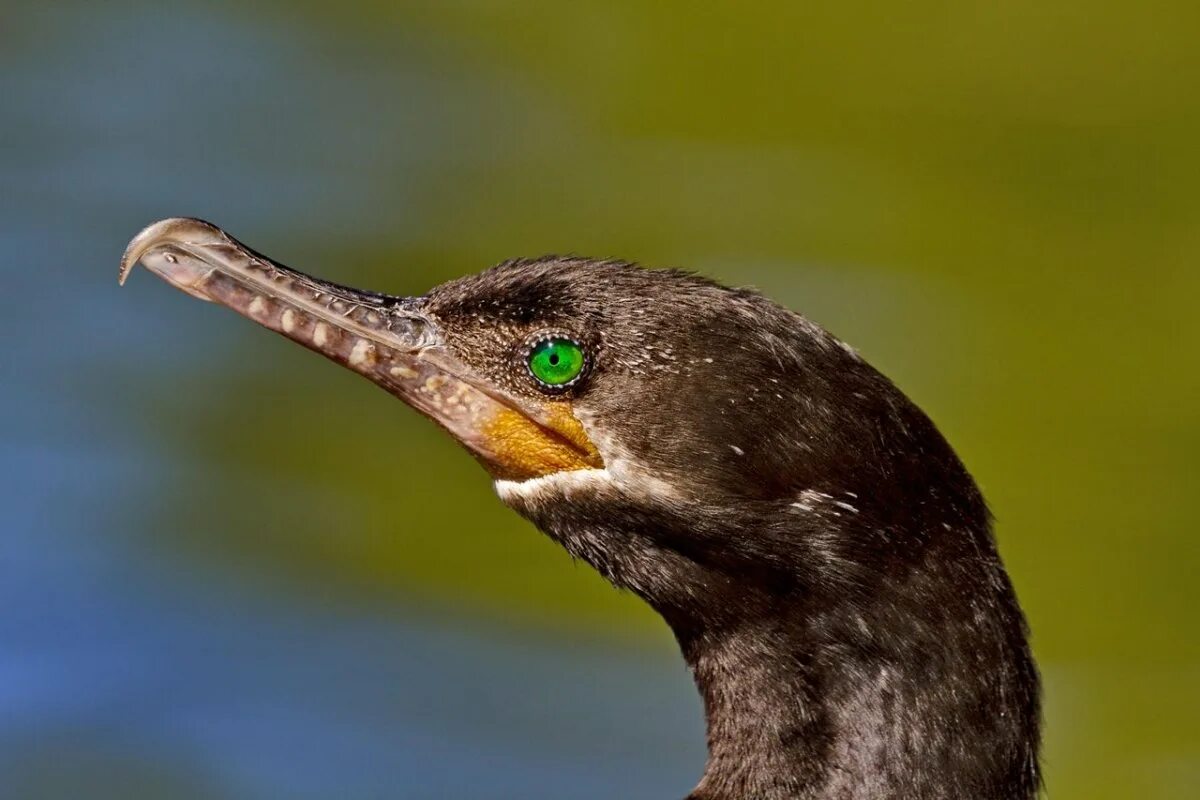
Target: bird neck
{"points": [[766, 734], [913, 692], [885, 661]]}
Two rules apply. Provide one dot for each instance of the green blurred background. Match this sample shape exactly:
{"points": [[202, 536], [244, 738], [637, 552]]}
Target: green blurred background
{"points": [[231, 569]]}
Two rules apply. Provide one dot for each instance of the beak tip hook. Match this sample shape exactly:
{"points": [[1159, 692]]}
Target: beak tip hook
{"points": [[165, 231]]}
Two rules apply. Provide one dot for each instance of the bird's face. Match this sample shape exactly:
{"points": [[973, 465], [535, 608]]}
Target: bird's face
{"points": [[593, 392], [669, 384]]}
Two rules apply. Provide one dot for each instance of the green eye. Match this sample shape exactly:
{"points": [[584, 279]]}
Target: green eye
{"points": [[556, 361]]}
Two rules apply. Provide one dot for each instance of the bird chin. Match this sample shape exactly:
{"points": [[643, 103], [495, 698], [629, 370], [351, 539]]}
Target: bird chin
{"points": [[556, 485], [618, 478]]}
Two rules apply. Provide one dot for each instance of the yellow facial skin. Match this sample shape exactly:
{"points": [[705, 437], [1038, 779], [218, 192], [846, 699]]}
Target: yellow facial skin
{"points": [[523, 449]]}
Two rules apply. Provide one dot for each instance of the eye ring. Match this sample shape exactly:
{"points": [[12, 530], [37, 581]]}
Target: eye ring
{"points": [[555, 361]]}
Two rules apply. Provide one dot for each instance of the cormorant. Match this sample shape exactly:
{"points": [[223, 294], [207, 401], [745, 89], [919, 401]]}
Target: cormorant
{"points": [[821, 554]]}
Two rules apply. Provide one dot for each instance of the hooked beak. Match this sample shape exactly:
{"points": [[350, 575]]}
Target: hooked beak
{"points": [[382, 337]]}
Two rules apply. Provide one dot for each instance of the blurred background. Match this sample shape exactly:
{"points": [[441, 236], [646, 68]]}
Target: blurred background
{"points": [[229, 569]]}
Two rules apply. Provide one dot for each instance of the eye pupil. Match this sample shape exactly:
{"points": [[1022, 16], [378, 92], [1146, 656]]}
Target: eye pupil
{"points": [[556, 361]]}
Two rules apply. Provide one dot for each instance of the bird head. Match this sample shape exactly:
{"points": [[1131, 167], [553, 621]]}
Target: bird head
{"points": [[637, 416]]}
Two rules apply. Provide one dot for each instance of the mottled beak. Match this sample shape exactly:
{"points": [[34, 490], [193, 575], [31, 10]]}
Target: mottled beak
{"points": [[385, 338]]}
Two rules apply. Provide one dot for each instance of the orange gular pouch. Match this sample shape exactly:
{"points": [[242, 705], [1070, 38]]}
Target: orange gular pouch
{"points": [[526, 449]]}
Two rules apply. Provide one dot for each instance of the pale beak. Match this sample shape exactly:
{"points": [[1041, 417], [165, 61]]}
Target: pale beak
{"points": [[386, 338]]}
